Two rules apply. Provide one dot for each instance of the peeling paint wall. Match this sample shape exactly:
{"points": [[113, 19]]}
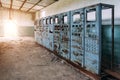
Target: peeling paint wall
{"points": [[24, 21]]}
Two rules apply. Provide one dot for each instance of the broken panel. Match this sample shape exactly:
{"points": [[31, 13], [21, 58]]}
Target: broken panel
{"points": [[57, 34], [37, 31], [47, 33], [77, 36], [41, 31], [44, 33], [65, 35], [93, 38], [51, 31]]}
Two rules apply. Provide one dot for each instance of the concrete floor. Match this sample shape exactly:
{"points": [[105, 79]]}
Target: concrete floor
{"points": [[23, 59]]}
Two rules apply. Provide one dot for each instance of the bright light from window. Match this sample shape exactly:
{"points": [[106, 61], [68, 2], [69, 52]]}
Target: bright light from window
{"points": [[10, 28], [43, 14]]}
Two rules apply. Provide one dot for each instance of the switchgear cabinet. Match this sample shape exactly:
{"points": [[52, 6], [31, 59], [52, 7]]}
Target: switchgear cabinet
{"points": [[56, 34], [65, 35], [51, 31], [93, 37], [81, 37], [77, 36]]}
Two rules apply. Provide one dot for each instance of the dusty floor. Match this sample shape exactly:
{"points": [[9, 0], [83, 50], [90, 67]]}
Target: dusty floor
{"points": [[23, 59]]}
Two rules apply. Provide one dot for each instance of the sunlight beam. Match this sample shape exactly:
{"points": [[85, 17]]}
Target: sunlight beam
{"points": [[10, 28]]}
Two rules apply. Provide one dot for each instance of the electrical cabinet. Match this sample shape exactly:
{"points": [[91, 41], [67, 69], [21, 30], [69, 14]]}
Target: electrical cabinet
{"points": [[47, 32], [37, 31], [40, 32], [51, 31], [56, 34], [94, 38], [65, 35], [77, 36], [44, 33]]}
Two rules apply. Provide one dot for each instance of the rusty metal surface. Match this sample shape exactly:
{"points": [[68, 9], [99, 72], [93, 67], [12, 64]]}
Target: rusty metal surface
{"points": [[93, 40], [65, 35], [51, 32], [77, 36], [56, 34]]}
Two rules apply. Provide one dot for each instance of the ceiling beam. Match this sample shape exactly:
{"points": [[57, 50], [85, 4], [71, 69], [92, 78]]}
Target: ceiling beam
{"points": [[0, 3], [10, 12], [22, 4], [11, 4], [15, 6], [34, 5], [31, 3]]}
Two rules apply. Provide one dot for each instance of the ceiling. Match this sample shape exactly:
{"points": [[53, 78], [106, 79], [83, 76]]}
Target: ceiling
{"points": [[26, 5]]}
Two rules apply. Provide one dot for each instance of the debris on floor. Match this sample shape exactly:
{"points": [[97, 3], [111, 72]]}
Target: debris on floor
{"points": [[23, 59]]}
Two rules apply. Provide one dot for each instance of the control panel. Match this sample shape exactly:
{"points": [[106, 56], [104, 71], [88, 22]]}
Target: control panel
{"points": [[46, 28], [92, 40], [80, 37], [51, 31], [77, 36], [65, 35], [56, 34], [37, 31], [44, 32]]}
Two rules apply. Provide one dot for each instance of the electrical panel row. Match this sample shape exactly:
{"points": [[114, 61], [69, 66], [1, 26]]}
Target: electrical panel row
{"points": [[74, 35]]}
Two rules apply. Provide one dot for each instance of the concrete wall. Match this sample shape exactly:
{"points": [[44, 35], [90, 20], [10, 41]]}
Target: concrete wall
{"points": [[66, 5], [24, 21]]}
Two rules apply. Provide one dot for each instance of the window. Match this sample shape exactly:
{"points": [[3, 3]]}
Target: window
{"points": [[65, 19], [44, 22], [91, 16], [56, 20], [76, 18], [51, 20]]}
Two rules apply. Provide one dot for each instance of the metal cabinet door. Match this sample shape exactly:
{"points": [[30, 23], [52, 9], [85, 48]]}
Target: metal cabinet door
{"points": [[77, 36], [93, 39], [56, 34], [65, 35]]}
